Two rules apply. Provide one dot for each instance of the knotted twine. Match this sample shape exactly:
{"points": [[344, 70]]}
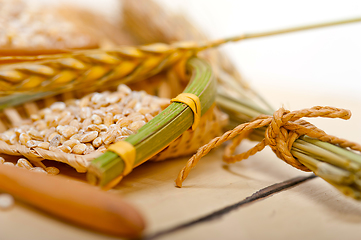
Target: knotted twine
{"points": [[284, 127]]}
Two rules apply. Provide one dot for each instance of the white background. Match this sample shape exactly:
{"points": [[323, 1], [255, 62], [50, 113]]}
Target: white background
{"points": [[323, 61]]}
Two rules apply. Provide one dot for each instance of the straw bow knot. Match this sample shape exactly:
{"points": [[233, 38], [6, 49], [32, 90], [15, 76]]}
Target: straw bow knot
{"points": [[284, 127]]}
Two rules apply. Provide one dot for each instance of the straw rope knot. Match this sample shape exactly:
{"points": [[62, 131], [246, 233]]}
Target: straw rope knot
{"points": [[284, 127]]}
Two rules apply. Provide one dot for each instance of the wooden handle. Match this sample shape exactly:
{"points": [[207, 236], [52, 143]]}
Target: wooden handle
{"points": [[74, 201]]}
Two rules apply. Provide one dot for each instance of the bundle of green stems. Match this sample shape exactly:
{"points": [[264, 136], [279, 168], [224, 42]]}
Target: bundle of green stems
{"points": [[338, 166]]}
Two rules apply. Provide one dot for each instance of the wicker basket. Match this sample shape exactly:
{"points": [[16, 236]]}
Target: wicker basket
{"points": [[211, 125]]}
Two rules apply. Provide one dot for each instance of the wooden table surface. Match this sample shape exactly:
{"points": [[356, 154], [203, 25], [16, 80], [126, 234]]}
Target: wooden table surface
{"points": [[298, 71]]}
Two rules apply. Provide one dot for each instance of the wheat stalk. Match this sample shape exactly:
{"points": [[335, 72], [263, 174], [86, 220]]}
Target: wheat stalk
{"points": [[49, 74]]}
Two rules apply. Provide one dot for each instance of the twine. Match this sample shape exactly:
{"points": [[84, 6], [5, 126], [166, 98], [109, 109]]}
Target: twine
{"points": [[284, 127]]}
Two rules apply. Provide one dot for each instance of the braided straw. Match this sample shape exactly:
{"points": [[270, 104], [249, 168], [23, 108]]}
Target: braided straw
{"points": [[284, 128]]}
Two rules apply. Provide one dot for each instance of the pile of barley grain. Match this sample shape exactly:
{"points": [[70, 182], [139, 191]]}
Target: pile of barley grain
{"points": [[24, 25], [92, 123]]}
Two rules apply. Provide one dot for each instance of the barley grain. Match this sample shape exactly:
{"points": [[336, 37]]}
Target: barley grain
{"points": [[136, 117], [65, 120], [88, 136], [108, 119], [113, 98], [97, 98], [52, 170], [84, 125], [53, 149], [127, 111], [9, 164], [144, 110], [79, 148], [76, 136], [68, 131], [99, 112], [37, 169], [120, 138], [110, 136], [126, 132], [96, 119], [132, 103], [44, 145], [118, 117], [41, 125], [124, 89], [89, 148], [55, 141], [75, 123], [97, 142], [84, 102], [64, 148], [85, 112], [24, 138], [35, 117], [136, 125], [114, 109], [24, 163], [148, 117], [34, 134], [18, 131], [48, 135], [58, 106], [101, 149], [71, 143], [123, 122], [45, 112]]}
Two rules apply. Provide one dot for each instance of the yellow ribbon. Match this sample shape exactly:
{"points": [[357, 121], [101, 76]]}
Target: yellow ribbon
{"points": [[193, 102], [127, 152]]}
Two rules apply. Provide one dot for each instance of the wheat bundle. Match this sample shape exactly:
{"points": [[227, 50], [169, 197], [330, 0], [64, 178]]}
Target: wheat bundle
{"points": [[25, 78]]}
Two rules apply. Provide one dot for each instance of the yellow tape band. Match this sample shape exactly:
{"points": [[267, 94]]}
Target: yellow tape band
{"points": [[193, 102], [127, 152], [112, 183]]}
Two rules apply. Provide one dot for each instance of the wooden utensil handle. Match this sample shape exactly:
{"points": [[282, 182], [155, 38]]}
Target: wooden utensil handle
{"points": [[74, 201]]}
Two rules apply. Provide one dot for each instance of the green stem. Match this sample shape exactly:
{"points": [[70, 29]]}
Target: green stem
{"points": [[338, 166], [162, 130]]}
